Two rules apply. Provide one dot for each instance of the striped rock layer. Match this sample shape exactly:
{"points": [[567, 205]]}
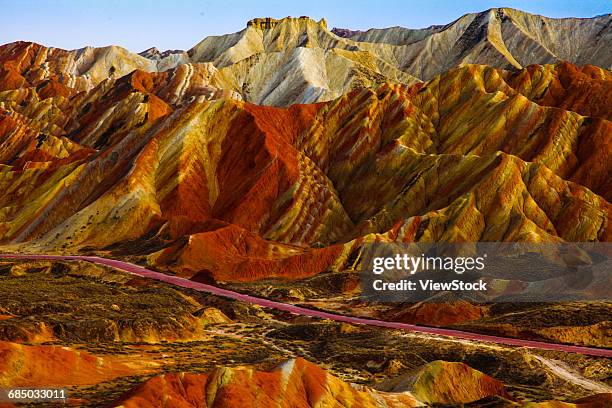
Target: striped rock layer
{"points": [[55, 366], [299, 383], [296, 383], [208, 185], [299, 60]]}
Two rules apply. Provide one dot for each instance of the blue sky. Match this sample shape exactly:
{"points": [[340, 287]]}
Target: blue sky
{"points": [[139, 24]]}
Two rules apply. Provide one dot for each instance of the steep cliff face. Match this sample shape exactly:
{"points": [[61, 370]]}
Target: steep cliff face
{"points": [[268, 23], [503, 38], [266, 35]]}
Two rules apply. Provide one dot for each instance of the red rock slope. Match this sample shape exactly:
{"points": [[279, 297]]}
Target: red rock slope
{"points": [[475, 154], [56, 366], [298, 383]]}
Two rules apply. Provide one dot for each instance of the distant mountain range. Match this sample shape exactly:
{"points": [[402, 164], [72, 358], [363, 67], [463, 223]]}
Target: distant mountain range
{"points": [[298, 60]]}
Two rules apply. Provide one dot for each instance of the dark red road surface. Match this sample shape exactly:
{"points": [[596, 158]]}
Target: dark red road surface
{"points": [[186, 283]]}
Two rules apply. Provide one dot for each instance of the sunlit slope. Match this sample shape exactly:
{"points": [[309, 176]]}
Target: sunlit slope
{"points": [[300, 60], [142, 164]]}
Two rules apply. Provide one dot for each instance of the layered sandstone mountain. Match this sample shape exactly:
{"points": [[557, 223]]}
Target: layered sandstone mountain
{"points": [[501, 37], [24, 64], [155, 54], [296, 382], [277, 71], [148, 165], [299, 383], [443, 382], [294, 60], [299, 60]]}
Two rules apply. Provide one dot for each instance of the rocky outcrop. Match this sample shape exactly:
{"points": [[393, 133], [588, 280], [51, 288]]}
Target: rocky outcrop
{"points": [[296, 383], [225, 252], [443, 382], [438, 312], [345, 32], [293, 60], [155, 54], [269, 23]]}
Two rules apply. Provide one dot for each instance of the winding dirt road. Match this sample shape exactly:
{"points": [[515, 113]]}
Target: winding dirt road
{"points": [[186, 283]]}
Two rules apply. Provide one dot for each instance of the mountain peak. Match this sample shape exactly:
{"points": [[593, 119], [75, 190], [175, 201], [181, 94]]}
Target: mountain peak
{"points": [[267, 23], [155, 54]]}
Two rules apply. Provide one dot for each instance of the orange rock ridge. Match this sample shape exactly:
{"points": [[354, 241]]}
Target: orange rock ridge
{"points": [[130, 159], [56, 366]]}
